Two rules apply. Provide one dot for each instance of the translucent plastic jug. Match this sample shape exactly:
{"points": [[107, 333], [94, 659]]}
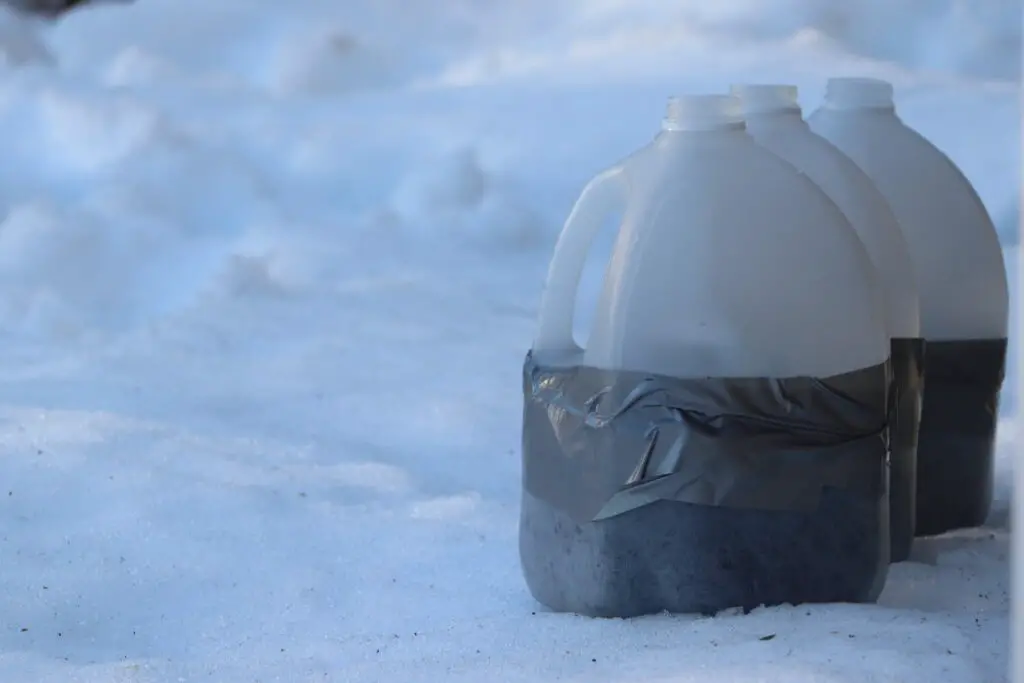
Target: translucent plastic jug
{"points": [[656, 459], [775, 120], [962, 285]]}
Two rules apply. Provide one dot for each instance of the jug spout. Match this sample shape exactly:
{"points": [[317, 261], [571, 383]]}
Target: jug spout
{"points": [[757, 99], [858, 93], [703, 112]]}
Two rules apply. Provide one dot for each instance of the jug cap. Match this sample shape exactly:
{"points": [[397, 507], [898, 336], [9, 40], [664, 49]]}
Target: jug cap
{"points": [[850, 92], [703, 112], [757, 98]]}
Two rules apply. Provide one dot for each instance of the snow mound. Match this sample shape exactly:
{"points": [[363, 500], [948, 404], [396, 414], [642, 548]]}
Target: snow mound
{"points": [[333, 61], [20, 41], [457, 195], [981, 39]]}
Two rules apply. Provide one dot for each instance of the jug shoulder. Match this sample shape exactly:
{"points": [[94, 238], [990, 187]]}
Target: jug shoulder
{"points": [[952, 242], [748, 258], [864, 206]]}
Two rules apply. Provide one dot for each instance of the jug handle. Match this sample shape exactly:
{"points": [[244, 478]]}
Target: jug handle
{"points": [[602, 196]]}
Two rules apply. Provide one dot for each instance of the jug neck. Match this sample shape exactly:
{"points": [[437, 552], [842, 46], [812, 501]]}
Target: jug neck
{"points": [[703, 113], [850, 94], [768, 104]]}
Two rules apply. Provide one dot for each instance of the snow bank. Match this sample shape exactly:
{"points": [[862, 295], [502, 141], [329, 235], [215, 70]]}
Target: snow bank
{"points": [[168, 142]]}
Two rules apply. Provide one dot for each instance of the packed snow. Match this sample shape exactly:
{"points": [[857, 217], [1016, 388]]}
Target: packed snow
{"points": [[267, 275]]}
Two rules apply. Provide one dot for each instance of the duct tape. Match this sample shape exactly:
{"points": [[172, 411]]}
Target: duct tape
{"points": [[599, 443]]}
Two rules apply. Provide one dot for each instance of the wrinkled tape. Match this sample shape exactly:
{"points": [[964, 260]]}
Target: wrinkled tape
{"points": [[908, 356], [907, 362], [598, 443]]}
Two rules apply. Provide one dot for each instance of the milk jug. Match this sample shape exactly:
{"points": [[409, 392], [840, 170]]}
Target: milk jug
{"points": [[720, 438], [774, 119], [963, 295]]}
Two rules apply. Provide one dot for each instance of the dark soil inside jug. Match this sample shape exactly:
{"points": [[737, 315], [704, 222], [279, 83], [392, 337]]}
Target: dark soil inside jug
{"points": [[956, 484], [685, 558], [956, 441], [908, 367]]}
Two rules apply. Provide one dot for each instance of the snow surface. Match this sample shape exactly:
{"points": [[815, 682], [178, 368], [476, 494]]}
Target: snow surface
{"points": [[267, 274]]}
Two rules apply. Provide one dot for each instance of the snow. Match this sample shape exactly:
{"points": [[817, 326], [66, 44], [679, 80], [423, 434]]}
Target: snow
{"points": [[267, 274]]}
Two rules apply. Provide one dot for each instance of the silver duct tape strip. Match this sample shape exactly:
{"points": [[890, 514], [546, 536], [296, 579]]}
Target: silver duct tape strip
{"points": [[907, 361], [597, 443]]}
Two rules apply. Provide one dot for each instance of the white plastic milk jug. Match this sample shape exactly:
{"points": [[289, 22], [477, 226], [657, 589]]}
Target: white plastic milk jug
{"points": [[774, 119], [692, 456], [728, 263], [962, 285]]}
